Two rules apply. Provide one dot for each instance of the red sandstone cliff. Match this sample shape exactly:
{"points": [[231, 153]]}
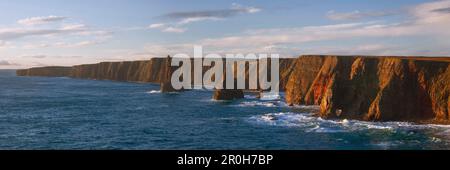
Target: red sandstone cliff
{"points": [[373, 88]]}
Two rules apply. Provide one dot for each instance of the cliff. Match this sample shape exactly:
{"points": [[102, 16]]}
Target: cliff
{"points": [[353, 87], [46, 71], [373, 88], [133, 71], [155, 70]]}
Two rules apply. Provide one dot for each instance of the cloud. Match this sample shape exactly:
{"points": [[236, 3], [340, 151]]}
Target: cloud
{"points": [[166, 28], [184, 18], [5, 45], [15, 33], [356, 15], [74, 30], [425, 21], [76, 45], [47, 56], [197, 19], [62, 44], [40, 20], [443, 10], [6, 63], [236, 9], [35, 56], [158, 25], [174, 30]]}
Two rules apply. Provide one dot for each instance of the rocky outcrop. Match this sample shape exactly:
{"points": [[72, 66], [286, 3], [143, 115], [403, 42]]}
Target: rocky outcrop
{"points": [[166, 75], [373, 88], [228, 94]]}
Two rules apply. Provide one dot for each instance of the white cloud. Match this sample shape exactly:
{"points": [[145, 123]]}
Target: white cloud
{"points": [[158, 25], [76, 45], [86, 43], [7, 63], [6, 45], [166, 28], [15, 33], [174, 30], [41, 20], [197, 19], [427, 20], [76, 27]]}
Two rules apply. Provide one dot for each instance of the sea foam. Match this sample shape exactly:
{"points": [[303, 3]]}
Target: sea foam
{"points": [[310, 123], [154, 91]]}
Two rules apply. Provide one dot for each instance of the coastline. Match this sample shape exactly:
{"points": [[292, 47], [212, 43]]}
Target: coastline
{"points": [[362, 87]]}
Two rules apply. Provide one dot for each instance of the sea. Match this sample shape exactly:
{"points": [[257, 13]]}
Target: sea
{"points": [[64, 113]]}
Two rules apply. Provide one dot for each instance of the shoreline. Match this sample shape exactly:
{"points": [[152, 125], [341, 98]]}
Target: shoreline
{"points": [[367, 87]]}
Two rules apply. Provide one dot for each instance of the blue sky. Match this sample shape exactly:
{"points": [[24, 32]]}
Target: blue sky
{"points": [[70, 32]]}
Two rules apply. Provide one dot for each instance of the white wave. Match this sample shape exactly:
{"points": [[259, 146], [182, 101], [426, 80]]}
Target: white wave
{"points": [[154, 91], [270, 96], [250, 97], [311, 123], [259, 103], [312, 107]]}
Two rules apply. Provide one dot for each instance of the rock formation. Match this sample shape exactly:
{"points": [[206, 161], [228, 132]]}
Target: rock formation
{"points": [[228, 94], [373, 88], [166, 75]]}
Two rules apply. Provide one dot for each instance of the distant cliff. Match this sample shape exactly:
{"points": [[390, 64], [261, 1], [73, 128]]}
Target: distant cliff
{"points": [[152, 71], [46, 71], [133, 71], [373, 88], [365, 88]]}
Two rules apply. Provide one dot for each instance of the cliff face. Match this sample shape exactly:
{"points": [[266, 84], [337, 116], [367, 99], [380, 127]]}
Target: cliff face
{"points": [[155, 70], [373, 88], [134, 71], [46, 71], [303, 73]]}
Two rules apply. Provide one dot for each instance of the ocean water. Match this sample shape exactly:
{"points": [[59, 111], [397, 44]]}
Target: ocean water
{"points": [[64, 113]]}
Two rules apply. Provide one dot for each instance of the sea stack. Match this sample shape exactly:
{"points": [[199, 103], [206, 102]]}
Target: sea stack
{"points": [[228, 94], [166, 85]]}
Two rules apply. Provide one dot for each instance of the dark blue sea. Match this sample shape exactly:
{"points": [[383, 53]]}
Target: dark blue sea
{"points": [[65, 113]]}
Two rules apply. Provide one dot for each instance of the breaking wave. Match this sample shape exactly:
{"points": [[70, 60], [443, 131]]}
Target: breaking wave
{"points": [[261, 103], [154, 91], [310, 123]]}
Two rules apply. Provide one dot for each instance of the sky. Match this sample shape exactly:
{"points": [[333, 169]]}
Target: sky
{"points": [[71, 32]]}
